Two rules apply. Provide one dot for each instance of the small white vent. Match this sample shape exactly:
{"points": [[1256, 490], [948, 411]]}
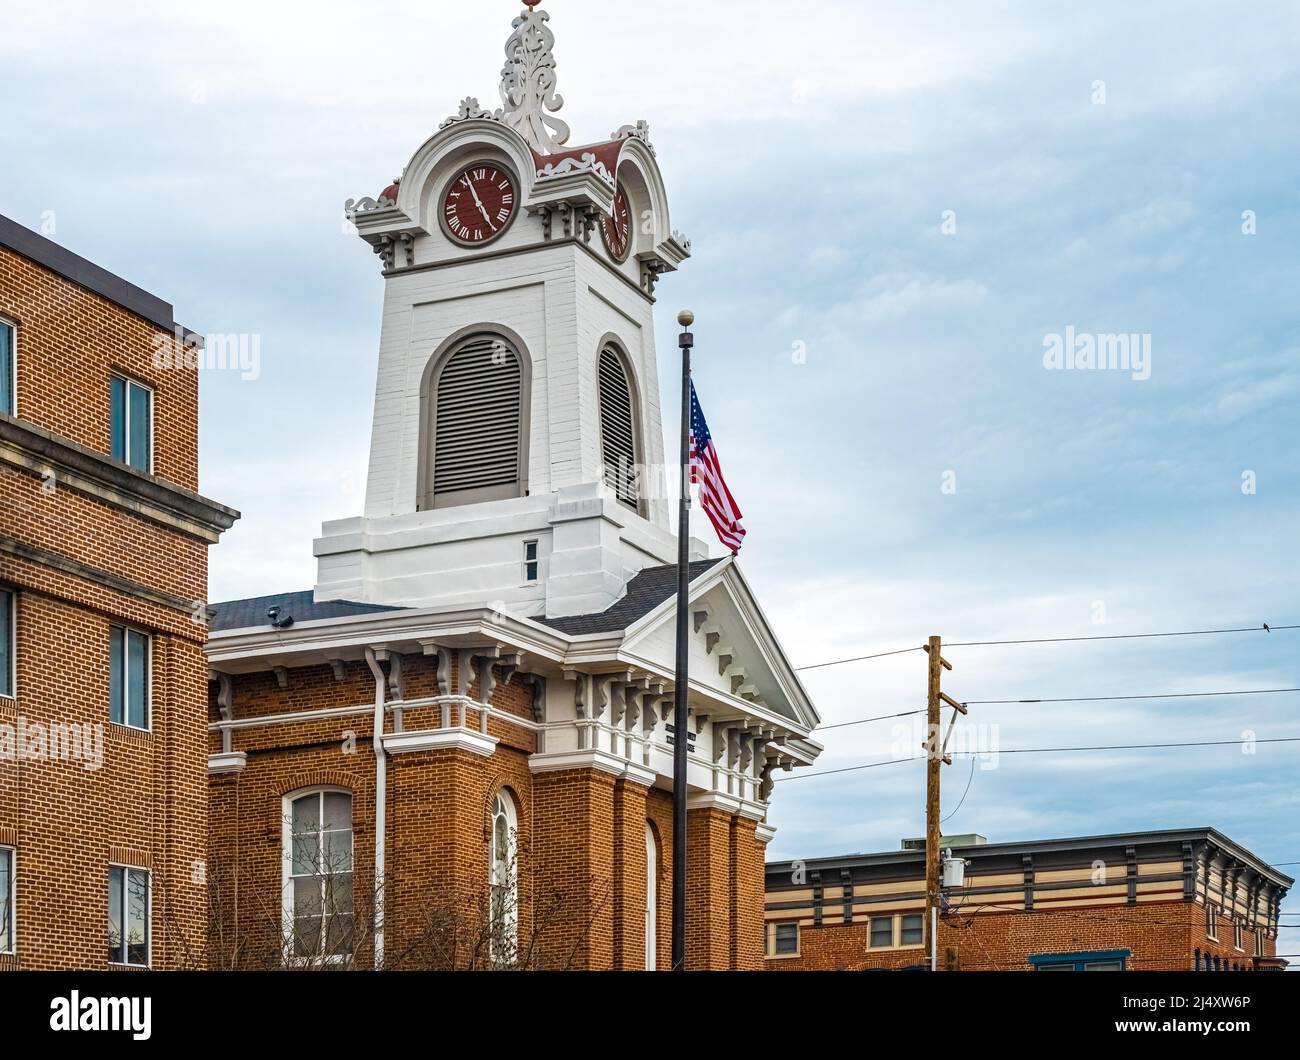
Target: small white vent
{"points": [[617, 429], [478, 424]]}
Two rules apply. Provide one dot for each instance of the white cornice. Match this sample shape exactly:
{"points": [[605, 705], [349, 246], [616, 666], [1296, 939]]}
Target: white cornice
{"points": [[227, 762], [398, 743]]}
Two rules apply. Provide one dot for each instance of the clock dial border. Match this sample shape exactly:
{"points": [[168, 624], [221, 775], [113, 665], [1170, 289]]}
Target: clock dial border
{"points": [[450, 185], [604, 236]]}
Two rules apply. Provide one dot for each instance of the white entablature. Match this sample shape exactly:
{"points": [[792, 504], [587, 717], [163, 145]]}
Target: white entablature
{"points": [[560, 315]]}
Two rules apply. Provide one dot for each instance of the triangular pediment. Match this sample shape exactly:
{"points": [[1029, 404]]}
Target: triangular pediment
{"points": [[733, 651]]}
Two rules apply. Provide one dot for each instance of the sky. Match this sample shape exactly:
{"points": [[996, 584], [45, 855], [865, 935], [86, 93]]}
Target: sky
{"points": [[895, 208]]}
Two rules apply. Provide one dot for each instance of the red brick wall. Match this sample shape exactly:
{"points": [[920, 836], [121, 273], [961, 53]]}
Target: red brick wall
{"points": [[146, 806], [708, 890], [70, 342], [1162, 936]]}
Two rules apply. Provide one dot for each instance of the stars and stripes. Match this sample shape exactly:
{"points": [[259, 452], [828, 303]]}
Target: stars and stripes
{"points": [[716, 500]]}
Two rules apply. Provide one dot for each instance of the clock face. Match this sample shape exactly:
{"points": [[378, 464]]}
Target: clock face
{"points": [[479, 204], [616, 230]]}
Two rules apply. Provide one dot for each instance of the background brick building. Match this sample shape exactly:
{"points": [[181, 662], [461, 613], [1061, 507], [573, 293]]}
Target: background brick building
{"points": [[103, 568], [1178, 900]]}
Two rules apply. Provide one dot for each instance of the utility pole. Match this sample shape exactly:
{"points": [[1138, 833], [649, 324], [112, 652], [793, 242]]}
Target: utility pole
{"points": [[935, 759]]}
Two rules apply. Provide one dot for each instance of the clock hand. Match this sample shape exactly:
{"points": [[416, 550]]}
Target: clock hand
{"points": [[481, 208]]}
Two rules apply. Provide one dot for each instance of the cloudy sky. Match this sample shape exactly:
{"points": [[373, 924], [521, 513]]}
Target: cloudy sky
{"points": [[893, 206]]}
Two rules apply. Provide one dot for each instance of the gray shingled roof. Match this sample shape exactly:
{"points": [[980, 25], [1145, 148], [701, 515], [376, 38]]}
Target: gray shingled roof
{"points": [[650, 588], [241, 614]]}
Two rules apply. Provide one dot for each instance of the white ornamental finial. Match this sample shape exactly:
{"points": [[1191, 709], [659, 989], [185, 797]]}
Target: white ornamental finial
{"points": [[528, 83]]}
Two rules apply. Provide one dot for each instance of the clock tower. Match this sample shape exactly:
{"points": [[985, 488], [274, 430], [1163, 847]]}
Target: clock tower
{"points": [[517, 455]]}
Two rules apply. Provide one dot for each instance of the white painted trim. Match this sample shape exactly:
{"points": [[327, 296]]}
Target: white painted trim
{"points": [[713, 800], [227, 762], [131, 381], [765, 833], [12, 634], [400, 743], [591, 758], [12, 325], [148, 913], [288, 927]]}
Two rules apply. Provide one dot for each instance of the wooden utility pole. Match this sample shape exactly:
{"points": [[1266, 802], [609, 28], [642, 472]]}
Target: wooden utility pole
{"points": [[935, 757]]}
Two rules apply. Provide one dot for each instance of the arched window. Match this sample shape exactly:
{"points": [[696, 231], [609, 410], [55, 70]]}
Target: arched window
{"points": [[619, 438], [504, 878], [475, 431], [651, 898], [318, 875]]}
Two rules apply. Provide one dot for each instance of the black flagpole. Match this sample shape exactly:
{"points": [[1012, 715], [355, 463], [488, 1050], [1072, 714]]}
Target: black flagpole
{"points": [[681, 695]]}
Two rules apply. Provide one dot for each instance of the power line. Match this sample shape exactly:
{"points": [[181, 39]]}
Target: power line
{"points": [[1115, 699], [1118, 636], [857, 658], [863, 721], [1078, 699], [1051, 640], [1043, 750]]}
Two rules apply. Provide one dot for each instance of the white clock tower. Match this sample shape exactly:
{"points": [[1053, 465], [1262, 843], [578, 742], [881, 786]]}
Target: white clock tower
{"points": [[517, 450]]}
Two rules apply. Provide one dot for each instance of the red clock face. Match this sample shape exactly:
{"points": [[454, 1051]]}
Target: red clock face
{"points": [[617, 229], [479, 204]]}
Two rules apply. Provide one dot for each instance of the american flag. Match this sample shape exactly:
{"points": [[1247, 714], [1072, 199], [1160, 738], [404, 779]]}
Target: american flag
{"points": [[716, 500]]}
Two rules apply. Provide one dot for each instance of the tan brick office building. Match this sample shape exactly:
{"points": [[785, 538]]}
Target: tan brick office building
{"points": [[1180, 900], [468, 715], [103, 565]]}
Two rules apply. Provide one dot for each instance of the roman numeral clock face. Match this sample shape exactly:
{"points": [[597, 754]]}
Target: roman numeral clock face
{"points": [[616, 229], [479, 204]]}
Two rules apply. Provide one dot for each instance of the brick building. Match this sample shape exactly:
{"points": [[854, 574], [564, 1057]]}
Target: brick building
{"points": [[454, 750], [103, 563], [1178, 900]]}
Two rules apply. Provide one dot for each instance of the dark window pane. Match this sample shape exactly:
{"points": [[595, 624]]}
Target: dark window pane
{"points": [[6, 643], [116, 676], [7, 402], [137, 917], [117, 390], [6, 902], [787, 938], [306, 936], [882, 931], [115, 878], [141, 426], [137, 712], [912, 929]]}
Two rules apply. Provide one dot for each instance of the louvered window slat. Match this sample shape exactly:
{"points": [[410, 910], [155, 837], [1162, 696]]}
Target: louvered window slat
{"points": [[617, 429], [479, 422]]}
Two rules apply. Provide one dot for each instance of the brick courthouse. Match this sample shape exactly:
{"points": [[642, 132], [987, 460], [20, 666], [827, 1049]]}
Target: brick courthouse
{"points": [[454, 750]]}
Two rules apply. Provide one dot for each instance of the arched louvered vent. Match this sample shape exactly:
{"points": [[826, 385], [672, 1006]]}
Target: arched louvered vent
{"points": [[478, 441], [619, 449]]}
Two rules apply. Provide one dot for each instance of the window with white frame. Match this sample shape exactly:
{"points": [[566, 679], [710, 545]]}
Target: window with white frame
{"points": [[1211, 921], [7, 932], [318, 875], [128, 677], [8, 643], [785, 939], [882, 932], [912, 931], [1237, 933], [131, 422], [8, 368], [619, 441], [128, 916], [504, 878], [532, 563]]}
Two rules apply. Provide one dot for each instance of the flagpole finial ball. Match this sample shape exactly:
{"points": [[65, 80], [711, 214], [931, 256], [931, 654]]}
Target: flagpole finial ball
{"points": [[686, 318]]}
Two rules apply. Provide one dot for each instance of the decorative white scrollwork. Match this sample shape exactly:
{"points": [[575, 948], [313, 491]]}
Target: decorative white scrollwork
{"points": [[362, 205], [587, 163], [528, 84], [469, 111], [639, 131]]}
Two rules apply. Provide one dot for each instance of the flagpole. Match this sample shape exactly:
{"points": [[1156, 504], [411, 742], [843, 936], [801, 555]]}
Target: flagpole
{"points": [[685, 342]]}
